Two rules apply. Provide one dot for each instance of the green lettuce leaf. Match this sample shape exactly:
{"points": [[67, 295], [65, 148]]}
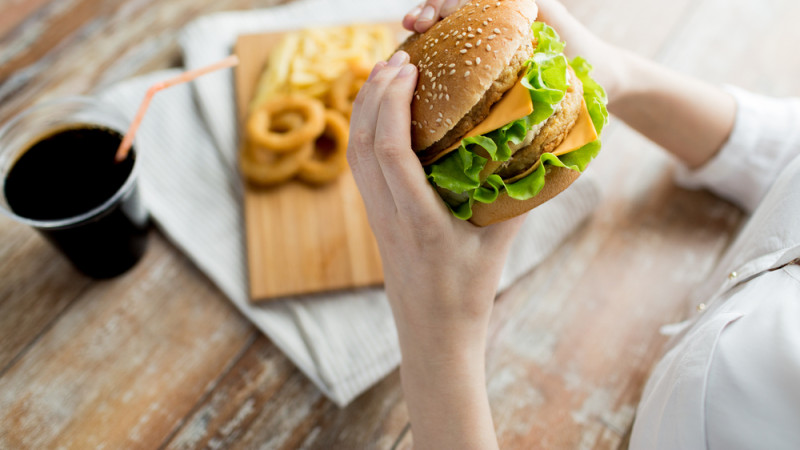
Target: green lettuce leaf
{"points": [[459, 172], [546, 79]]}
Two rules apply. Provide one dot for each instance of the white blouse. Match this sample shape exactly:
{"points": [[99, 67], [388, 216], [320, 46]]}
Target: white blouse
{"points": [[732, 378]]}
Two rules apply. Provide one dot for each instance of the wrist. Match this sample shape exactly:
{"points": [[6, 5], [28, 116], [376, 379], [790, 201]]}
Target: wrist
{"points": [[616, 73], [446, 346], [447, 400], [633, 77]]}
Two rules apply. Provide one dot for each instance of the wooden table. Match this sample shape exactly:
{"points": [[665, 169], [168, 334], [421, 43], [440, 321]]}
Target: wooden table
{"points": [[159, 358]]}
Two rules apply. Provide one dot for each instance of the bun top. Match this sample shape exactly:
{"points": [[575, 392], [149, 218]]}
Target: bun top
{"points": [[458, 60]]}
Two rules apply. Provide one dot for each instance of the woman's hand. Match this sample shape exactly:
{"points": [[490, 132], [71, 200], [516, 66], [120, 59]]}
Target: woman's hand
{"points": [[441, 273]]}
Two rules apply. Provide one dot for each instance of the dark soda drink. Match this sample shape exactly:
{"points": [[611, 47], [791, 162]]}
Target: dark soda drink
{"points": [[70, 173], [58, 175]]}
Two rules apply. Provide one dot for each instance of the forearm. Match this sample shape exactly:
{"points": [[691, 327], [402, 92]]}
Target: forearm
{"points": [[689, 118], [446, 397]]}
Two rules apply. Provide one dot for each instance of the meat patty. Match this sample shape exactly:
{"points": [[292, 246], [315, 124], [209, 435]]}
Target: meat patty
{"points": [[550, 136]]}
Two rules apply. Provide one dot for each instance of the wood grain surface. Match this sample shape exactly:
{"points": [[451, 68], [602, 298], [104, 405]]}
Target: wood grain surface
{"points": [[158, 357], [301, 239]]}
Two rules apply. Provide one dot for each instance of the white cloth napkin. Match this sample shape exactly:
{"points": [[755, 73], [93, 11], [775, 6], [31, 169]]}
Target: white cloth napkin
{"points": [[344, 342]]}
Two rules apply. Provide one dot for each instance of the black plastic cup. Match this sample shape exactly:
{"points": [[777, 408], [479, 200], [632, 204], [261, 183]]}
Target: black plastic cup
{"points": [[103, 231]]}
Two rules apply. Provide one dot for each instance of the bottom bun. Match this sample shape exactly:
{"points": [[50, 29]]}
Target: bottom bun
{"points": [[505, 207]]}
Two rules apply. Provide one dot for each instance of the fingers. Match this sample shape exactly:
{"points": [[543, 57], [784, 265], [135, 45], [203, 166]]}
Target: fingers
{"points": [[425, 15], [428, 16], [411, 18], [360, 153], [450, 6], [401, 168]]}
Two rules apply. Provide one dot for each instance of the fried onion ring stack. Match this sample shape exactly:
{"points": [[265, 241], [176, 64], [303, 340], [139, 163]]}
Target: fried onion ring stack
{"points": [[299, 118], [294, 136]]}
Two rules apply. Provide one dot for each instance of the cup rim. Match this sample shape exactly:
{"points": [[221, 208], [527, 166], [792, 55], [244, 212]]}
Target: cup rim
{"points": [[94, 212]]}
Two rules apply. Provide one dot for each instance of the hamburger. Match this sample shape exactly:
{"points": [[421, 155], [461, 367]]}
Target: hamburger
{"points": [[502, 121]]}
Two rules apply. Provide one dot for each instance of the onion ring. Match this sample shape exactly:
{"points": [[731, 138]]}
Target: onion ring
{"points": [[265, 168], [327, 161], [263, 132], [345, 88]]}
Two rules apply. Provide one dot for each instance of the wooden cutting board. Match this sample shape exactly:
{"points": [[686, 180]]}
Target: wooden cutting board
{"points": [[301, 239]]}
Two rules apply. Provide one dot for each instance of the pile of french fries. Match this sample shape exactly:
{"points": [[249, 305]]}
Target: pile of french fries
{"points": [[308, 61]]}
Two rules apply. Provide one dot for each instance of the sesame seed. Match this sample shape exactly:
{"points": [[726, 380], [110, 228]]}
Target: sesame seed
{"points": [[417, 97], [469, 63], [427, 100], [452, 71], [439, 120], [479, 30], [432, 130], [440, 114], [490, 37], [448, 121], [451, 65], [414, 122], [477, 60], [485, 23], [478, 43], [431, 108], [458, 43], [496, 31], [470, 35], [490, 19], [468, 45], [423, 87], [466, 74], [497, 4], [440, 65], [462, 51], [488, 48], [433, 79], [469, 28]]}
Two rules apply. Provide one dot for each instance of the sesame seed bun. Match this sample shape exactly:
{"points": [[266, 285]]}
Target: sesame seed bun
{"points": [[466, 63], [460, 59]]}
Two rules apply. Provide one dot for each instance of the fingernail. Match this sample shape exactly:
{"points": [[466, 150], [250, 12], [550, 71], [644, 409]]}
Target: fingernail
{"points": [[449, 7], [415, 12], [427, 14], [398, 59], [408, 70], [378, 67]]}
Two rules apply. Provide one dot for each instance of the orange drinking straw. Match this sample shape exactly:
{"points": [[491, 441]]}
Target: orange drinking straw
{"points": [[189, 75]]}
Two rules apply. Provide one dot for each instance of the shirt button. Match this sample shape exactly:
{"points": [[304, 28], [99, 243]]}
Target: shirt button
{"points": [[701, 307], [732, 275]]}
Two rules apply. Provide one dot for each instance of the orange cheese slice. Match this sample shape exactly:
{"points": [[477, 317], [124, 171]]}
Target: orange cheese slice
{"points": [[515, 104], [582, 133]]}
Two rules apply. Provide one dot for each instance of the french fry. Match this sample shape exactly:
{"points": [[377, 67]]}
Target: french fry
{"points": [[308, 61]]}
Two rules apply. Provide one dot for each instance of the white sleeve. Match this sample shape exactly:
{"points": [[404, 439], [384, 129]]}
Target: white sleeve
{"points": [[765, 137]]}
